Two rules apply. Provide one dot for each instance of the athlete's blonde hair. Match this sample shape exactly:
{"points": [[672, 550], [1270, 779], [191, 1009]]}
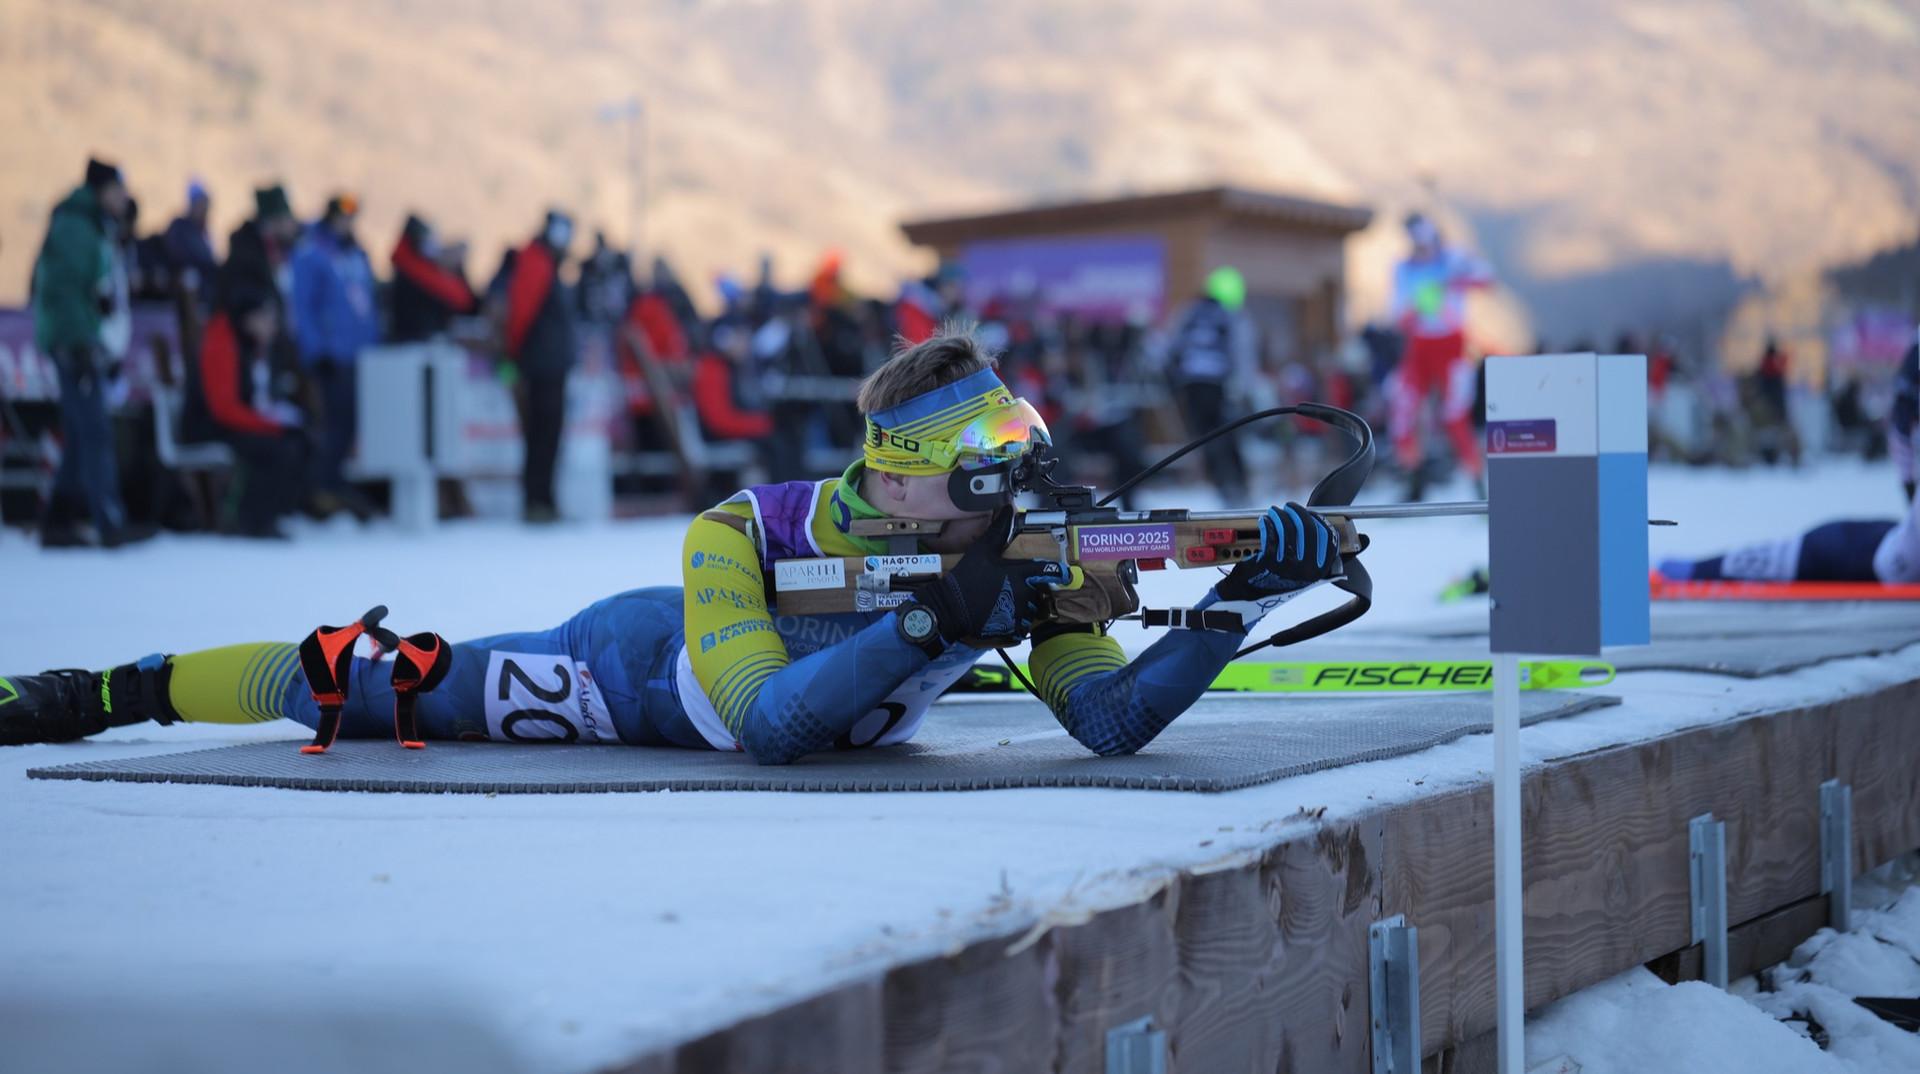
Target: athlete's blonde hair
{"points": [[953, 353]]}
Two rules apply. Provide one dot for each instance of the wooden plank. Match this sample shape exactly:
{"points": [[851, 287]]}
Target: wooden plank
{"points": [[1229, 934], [1752, 946], [1263, 966], [983, 1011], [838, 1031], [1878, 752], [1606, 873], [1121, 965], [1273, 958], [1606, 849]]}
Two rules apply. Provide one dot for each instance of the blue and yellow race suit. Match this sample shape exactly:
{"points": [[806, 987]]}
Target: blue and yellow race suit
{"points": [[713, 665]]}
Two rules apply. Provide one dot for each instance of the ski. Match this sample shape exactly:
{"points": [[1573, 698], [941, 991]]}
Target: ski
{"points": [[1354, 676]]}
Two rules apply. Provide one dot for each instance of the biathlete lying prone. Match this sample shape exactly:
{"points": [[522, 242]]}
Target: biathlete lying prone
{"points": [[712, 665]]}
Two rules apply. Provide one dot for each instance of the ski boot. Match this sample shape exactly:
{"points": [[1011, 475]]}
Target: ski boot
{"points": [[70, 704], [1473, 584]]}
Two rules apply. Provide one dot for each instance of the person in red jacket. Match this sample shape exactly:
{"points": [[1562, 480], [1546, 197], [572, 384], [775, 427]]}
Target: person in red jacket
{"points": [[650, 334], [924, 305], [231, 401], [428, 289], [540, 340], [727, 394]]}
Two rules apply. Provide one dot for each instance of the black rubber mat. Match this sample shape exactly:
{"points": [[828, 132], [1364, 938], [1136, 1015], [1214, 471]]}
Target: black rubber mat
{"points": [[1222, 744]]}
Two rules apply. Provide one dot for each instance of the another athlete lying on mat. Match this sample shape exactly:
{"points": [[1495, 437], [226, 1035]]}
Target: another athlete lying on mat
{"points": [[1857, 551]]}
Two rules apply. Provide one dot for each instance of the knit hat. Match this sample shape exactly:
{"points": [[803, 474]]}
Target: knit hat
{"points": [[1422, 230], [1226, 286], [100, 173], [271, 201]]}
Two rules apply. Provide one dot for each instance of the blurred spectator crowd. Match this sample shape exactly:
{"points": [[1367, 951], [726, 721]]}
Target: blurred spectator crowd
{"points": [[246, 410]]}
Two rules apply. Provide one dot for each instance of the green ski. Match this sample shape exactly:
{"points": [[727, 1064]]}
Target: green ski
{"points": [[1355, 676]]}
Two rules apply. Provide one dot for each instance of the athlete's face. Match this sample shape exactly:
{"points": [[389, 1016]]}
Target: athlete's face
{"points": [[925, 497]]}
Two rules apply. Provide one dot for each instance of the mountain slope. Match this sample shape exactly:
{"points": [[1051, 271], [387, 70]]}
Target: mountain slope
{"points": [[1765, 139]]}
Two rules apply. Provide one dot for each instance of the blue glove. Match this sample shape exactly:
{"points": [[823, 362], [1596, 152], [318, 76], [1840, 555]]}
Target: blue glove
{"points": [[1297, 549]]}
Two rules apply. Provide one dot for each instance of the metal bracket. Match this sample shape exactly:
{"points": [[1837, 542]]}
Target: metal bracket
{"points": [[1836, 852], [1393, 957], [1137, 1048], [1059, 535], [1707, 866]]}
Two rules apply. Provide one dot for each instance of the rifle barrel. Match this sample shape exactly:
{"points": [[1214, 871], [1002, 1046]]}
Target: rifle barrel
{"points": [[1408, 510], [1033, 519], [1358, 511]]}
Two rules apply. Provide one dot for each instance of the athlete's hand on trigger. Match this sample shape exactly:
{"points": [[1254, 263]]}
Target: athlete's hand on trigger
{"points": [[985, 596], [1297, 549]]}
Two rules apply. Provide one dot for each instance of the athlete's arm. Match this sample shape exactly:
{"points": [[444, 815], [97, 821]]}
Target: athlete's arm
{"points": [[1468, 272], [1113, 707], [777, 708]]}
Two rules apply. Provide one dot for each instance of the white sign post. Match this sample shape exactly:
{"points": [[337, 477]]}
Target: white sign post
{"points": [[1567, 554], [1509, 984]]}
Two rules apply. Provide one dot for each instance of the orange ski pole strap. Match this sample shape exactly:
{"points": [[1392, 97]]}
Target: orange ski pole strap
{"points": [[420, 663], [326, 656]]}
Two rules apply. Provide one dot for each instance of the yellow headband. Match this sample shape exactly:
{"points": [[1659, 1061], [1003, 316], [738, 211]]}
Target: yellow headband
{"points": [[917, 437]]}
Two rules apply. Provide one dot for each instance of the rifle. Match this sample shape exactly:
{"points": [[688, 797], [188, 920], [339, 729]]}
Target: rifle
{"points": [[1101, 549]]}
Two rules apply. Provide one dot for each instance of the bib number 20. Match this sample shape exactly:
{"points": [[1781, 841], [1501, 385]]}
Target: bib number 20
{"points": [[541, 698]]}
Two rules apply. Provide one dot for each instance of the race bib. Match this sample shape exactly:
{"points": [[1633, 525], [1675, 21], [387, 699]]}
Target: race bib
{"points": [[536, 698]]}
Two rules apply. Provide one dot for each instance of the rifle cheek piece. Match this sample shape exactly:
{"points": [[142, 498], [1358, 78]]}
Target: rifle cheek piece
{"points": [[984, 490]]}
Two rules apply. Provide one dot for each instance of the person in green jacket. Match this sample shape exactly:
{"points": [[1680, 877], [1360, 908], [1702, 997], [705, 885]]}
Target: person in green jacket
{"points": [[73, 293]]}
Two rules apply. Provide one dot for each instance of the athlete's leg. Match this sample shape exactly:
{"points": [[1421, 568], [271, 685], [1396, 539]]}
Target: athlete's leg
{"points": [[1766, 561], [1404, 396], [1841, 551], [605, 675], [1834, 552], [589, 680], [1463, 381], [1422, 376], [594, 678], [1897, 559]]}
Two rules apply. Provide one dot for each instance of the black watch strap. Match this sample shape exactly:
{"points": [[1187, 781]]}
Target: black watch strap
{"points": [[920, 627]]}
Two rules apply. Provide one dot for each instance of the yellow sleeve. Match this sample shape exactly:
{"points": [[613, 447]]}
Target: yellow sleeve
{"points": [[731, 640], [1063, 661]]}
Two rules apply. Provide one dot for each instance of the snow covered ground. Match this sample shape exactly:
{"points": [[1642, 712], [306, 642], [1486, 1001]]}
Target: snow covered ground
{"points": [[1776, 1022], [564, 933]]}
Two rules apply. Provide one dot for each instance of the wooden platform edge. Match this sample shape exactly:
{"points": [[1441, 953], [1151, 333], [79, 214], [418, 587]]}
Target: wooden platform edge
{"points": [[1264, 965]]}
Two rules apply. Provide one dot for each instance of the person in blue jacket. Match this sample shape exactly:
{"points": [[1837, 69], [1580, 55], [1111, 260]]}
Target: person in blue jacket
{"points": [[333, 319]]}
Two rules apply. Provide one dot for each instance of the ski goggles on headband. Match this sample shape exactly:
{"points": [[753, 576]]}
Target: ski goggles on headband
{"points": [[973, 424]]}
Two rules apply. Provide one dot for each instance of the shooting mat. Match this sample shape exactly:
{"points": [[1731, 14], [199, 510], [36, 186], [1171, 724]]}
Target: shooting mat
{"points": [[1221, 744], [1747, 640]]}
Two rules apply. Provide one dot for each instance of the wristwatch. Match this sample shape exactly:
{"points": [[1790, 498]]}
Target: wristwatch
{"points": [[919, 626]]}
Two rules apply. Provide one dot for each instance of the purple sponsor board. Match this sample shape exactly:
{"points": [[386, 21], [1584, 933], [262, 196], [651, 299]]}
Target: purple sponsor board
{"points": [[1104, 278], [1536, 437], [27, 376], [1126, 542]]}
